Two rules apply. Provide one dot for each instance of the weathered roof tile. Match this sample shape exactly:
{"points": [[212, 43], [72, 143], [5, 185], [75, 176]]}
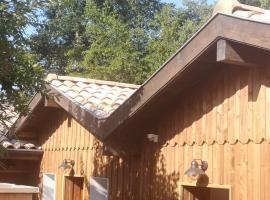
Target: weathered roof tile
{"points": [[99, 97], [10, 116]]}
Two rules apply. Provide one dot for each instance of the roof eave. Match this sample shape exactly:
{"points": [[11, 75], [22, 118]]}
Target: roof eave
{"points": [[23, 154], [20, 122], [89, 120], [219, 26], [83, 116]]}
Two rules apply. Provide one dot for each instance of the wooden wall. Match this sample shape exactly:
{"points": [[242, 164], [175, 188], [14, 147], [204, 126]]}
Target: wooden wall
{"points": [[224, 120], [16, 196], [64, 138]]}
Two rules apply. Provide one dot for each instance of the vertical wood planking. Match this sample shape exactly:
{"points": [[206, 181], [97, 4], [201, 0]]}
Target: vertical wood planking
{"points": [[245, 110], [258, 105], [224, 113], [198, 117], [181, 162], [210, 163], [237, 106], [267, 103], [208, 113], [257, 171], [220, 138], [225, 105], [231, 107]]}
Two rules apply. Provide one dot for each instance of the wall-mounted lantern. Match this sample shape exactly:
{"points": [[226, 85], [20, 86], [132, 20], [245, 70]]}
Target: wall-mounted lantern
{"points": [[196, 169], [152, 138], [67, 164]]}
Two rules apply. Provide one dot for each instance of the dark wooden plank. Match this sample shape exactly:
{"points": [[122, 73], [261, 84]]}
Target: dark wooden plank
{"points": [[68, 189], [242, 55], [20, 123], [76, 111], [24, 154], [51, 103]]}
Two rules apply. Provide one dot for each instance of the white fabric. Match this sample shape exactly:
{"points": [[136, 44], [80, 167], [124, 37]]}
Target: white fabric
{"points": [[48, 192], [99, 188]]}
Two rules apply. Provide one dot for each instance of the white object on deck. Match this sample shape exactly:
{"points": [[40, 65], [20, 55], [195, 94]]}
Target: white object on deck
{"points": [[99, 188], [49, 185]]}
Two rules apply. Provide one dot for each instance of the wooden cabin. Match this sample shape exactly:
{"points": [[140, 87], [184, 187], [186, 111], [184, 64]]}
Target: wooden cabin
{"points": [[209, 101]]}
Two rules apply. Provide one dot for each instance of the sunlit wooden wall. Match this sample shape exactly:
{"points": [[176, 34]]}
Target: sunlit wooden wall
{"points": [[64, 138], [224, 120]]}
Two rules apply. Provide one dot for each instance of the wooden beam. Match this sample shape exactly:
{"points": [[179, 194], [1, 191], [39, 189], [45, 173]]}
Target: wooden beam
{"points": [[51, 103], [23, 154], [242, 55], [21, 122], [84, 117], [108, 151], [26, 134]]}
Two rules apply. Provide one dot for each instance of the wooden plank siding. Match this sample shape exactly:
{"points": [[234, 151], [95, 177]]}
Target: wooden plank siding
{"points": [[16, 196], [223, 120], [65, 138]]}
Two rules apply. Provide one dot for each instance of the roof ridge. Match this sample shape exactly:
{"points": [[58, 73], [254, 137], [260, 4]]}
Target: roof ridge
{"points": [[51, 77]]}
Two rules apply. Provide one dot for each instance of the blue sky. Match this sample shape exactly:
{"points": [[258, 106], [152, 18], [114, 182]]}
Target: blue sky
{"points": [[179, 2]]}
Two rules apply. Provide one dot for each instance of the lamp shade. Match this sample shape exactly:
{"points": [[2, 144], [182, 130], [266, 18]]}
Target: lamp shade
{"points": [[64, 165], [194, 171], [67, 164]]}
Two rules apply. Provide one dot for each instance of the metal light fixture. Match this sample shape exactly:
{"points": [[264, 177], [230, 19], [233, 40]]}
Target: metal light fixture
{"points": [[196, 169], [152, 138], [67, 164]]}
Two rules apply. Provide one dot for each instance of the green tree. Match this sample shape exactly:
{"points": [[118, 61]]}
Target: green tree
{"points": [[61, 30], [114, 39], [60, 39], [111, 54], [176, 26], [260, 3], [20, 75], [73, 37]]}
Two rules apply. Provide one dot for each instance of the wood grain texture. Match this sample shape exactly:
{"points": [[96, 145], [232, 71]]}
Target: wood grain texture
{"points": [[16, 196], [222, 120]]}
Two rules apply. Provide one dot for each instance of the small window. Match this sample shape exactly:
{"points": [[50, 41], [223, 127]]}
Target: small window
{"points": [[48, 192], [99, 188]]}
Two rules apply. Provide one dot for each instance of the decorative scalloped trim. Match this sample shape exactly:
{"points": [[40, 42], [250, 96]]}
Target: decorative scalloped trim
{"points": [[234, 142]]}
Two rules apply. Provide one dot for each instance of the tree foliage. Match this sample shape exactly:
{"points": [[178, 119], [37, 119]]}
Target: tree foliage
{"points": [[119, 40], [176, 26], [114, 40], [20, 75], [62, 30], [260, 3]]}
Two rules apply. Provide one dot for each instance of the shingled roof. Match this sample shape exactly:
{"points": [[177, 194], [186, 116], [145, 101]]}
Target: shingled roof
{"points": [[89, 101], [106, 108], [9, 117], [100, 98]]}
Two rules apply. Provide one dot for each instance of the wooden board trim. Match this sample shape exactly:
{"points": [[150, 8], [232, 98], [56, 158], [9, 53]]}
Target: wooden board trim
{"points": [[63, 183], [217, 186], [20, 122], [83, 116], [24, 154], [230, 52]]}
